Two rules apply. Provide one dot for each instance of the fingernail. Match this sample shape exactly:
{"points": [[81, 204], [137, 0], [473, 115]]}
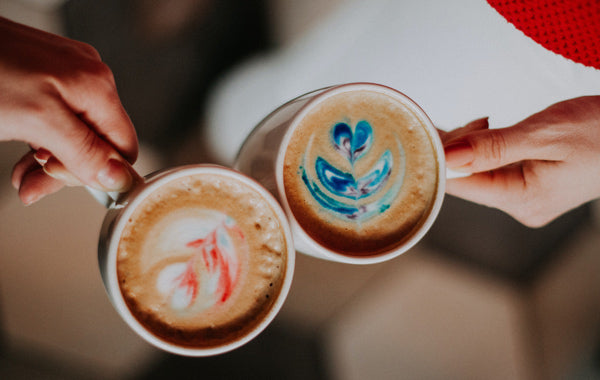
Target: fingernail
{"points": [[458, 155], [115, 177], [30, 200], [42, 156]]}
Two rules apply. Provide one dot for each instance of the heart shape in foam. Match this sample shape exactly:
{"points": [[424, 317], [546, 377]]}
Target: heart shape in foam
{"points": [[352, 145]]}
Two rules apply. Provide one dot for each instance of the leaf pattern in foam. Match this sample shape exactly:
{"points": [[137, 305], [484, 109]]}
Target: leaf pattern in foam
{"points": [[212, 271], [344, 184], [332, 183]]}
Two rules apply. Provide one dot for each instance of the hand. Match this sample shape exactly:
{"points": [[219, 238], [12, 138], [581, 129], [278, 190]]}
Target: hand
{"points": [[535, 170], [57, 95]]}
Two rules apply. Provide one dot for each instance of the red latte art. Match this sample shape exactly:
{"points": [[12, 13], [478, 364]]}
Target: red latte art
{"points": [[218, 261], [210, 274], [201, 261]]}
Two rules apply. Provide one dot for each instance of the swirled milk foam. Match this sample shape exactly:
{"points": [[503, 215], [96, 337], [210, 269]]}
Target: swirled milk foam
{"points": [[360, 172], [201, 260]]}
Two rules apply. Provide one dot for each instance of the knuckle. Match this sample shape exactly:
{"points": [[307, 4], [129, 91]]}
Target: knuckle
{"points": [[533, 218], [89, 152], [88, 144], [523, 198], [495, 148], [559, 140], [74, 51], [39, 113], [88, 50], [96, 71], [531, 211], [525, 213], [92, 82], [87, 77], [100, 78], [100, 70]]}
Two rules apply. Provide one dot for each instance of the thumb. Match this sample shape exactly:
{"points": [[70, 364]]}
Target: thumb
{"points": [[489, 149]]}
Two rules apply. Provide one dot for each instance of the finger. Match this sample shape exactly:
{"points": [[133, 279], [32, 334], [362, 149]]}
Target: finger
{"points": [[82, 152], [442, 134], [514, 189], [475, 125], [57, 170], [494, 188], [94, 98], [36, 184], [26, 164], [490, 149], [34, 147], [28, 177], [42, 156]]}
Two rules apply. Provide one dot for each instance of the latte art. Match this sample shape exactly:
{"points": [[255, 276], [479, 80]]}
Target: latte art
{"points": [[202, 260], [360, 171], [346, 192], [210, 274]]}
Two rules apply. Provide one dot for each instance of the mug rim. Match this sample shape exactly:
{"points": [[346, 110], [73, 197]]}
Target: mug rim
{"points": [[425, 223], [134, 199]]}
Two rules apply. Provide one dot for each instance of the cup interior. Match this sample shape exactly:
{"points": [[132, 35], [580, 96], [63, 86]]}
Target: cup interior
{"points": [[308, 245], [109, 249]]}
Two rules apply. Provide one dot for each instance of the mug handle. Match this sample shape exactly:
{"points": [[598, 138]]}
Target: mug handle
{"points": [[112, 199], [455, 174], [106, 199]]}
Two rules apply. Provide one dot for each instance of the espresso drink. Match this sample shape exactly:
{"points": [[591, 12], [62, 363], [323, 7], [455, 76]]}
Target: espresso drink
{"points": [[360, 172], [202, 260]]}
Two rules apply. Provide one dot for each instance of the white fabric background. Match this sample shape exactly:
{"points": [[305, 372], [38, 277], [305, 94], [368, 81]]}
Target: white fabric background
{"points": [[460, 60]]}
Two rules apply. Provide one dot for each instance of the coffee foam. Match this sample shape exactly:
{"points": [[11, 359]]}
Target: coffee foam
{"points": [[202, 260], [360, 172]]}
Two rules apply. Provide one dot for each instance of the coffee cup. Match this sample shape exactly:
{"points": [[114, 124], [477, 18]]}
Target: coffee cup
{"points": [[197, 260], [359, 169]]}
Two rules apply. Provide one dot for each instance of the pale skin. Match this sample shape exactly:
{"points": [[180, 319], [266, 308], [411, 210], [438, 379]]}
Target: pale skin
{"points": [[58, 96], [535, 170]]}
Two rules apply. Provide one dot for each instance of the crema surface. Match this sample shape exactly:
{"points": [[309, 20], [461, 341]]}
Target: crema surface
{"points": [[201, 260], [360, 172]]}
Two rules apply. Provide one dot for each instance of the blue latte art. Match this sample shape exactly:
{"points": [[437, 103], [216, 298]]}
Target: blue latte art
{"points": [[348, 195]]}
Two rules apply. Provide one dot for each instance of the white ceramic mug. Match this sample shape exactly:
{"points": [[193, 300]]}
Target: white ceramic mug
{"points": [[262, 157], [121, 208]]}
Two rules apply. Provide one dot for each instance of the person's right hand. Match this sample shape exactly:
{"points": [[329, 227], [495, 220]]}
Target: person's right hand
{"points": [[535, 170], [58, 96]]}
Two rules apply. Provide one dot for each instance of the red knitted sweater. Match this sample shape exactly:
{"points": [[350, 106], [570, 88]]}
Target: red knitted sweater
{"points": [[570, 28]]}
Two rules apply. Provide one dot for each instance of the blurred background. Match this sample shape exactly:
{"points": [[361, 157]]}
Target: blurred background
{"points": [[482, 297]]}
